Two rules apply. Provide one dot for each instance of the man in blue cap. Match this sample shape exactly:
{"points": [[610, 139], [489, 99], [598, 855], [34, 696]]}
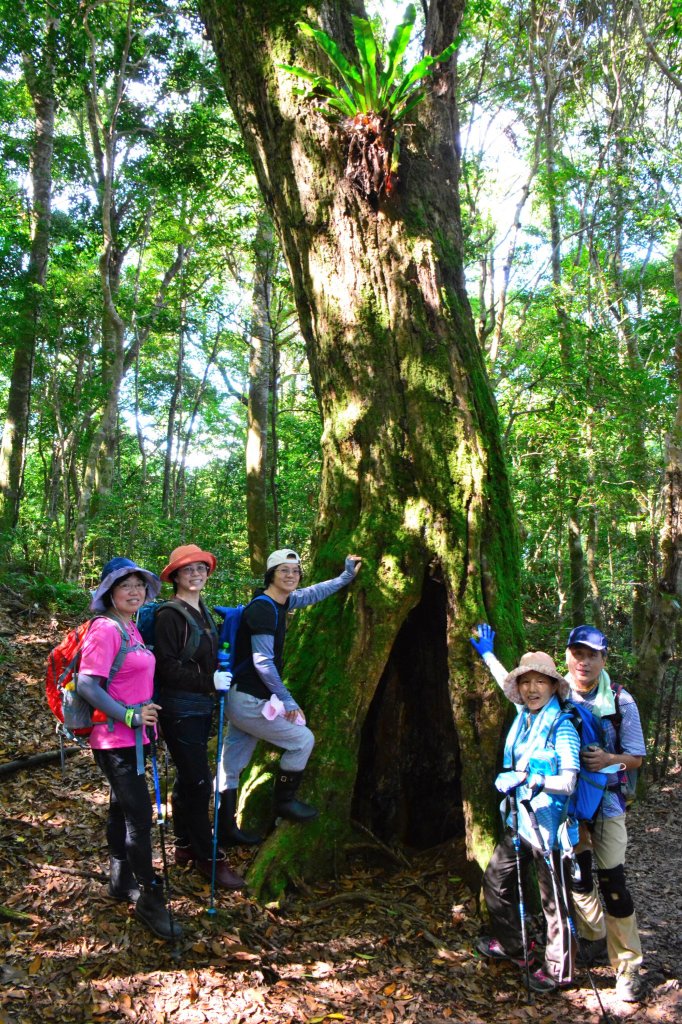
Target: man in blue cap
{"points": [[606, 839]]}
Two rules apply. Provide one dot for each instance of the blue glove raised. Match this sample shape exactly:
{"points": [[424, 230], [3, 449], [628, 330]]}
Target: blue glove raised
{"points": [[506, 781], [483, 643]]}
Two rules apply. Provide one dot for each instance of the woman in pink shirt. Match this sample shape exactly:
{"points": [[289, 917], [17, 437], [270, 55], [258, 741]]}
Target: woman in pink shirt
{"points": [[119, 740]]}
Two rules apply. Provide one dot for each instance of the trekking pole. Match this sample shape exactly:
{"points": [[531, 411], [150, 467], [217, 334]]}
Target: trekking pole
{"points": [[216, 807], [516, 841], [546, 853], [161, 821], [223, 669]]}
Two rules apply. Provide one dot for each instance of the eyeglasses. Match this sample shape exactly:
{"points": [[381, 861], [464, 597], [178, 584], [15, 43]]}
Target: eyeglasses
{"points": [[132, 585], [194, 570], [288, 571]]}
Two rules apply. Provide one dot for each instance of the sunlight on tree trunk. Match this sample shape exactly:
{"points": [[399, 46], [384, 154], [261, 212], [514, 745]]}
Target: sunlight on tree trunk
{"points": [[260, 363]]}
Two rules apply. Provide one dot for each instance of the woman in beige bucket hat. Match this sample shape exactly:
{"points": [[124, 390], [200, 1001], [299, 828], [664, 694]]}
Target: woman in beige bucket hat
{"points": [[541, 769]]}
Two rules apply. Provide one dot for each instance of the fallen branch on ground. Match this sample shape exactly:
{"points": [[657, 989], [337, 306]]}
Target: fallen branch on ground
{"points": [[35, 760]]}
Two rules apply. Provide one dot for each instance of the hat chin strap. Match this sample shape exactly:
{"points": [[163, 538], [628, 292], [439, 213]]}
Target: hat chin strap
{"points": [[118, 614]]}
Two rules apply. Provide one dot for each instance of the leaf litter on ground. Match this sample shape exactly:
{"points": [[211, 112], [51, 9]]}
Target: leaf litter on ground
{"points": [[389, 941]]}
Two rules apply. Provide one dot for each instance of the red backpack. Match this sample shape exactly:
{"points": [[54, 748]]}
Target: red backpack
{"points": [[75, 714]]}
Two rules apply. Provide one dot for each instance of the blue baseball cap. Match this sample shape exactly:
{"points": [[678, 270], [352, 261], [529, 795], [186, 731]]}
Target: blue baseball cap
{"points": [[588, 635]]}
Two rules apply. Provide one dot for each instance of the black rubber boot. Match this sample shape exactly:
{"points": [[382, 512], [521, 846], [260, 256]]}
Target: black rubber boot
{"points": [[286, 804], [152, 911], [122, 884], [229, 832]]}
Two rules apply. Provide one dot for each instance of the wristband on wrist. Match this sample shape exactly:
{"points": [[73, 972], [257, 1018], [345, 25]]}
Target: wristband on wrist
{"points": [[130, 717]]}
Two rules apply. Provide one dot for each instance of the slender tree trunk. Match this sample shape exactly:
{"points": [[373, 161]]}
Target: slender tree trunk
{"points": [[597, 617], [260, 363], [413, 477], [168, 461], [663, 612], [273, 411], [572, 463], [40, 80], [551, 53]]}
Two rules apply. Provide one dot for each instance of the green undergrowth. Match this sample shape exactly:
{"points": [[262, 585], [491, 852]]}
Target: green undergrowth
{"points": [[38, 591]]}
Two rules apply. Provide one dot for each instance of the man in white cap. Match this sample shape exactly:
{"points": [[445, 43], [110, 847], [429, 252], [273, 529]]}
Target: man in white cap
{"points": [[259, 704]]}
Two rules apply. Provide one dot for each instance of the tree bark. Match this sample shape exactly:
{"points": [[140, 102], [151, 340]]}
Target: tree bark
{"points": [[168, 507], [413, 477], [40, 74], [663, 612], [260, 363]]}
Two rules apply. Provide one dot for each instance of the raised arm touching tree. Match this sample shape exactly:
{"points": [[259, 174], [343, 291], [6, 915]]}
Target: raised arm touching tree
{"points": [[413, 474]]}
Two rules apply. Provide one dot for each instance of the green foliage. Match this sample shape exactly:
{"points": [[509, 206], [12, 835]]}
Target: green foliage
{"points": [[38, 591], [374, 85], [181, 178]]}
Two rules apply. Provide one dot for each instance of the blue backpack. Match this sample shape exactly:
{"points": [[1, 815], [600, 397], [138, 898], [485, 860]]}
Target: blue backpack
{"points": [[588, 794], [227, 635]]}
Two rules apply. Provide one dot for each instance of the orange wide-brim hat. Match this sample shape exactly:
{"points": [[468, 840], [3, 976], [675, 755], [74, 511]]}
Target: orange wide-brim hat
{"points": [[185, 555]]}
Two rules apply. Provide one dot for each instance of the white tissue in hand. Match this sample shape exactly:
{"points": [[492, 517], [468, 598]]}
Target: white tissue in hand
{"points": [[222, 680], [275, 707]]}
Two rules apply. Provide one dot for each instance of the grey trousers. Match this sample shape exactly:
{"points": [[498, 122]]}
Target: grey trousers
{"points": [[246, 726]]}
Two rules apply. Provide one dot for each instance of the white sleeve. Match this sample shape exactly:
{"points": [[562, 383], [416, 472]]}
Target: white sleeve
{"points": [[562, 784], [495, 667]]}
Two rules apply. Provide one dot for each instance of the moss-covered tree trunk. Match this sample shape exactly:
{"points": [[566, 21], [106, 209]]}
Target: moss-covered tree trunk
{"points": [[413, 475]]}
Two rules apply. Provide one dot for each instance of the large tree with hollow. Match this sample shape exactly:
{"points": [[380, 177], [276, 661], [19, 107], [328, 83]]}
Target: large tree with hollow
{"points": [[413, 473]]}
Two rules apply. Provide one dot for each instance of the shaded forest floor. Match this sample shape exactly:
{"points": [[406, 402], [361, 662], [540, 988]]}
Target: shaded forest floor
{"points": [[390, 940]]}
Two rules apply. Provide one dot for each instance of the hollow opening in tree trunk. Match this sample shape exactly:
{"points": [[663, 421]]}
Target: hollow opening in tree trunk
{"points": [[408, 784]]}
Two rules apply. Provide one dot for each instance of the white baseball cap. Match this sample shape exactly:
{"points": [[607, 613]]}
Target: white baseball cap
{"points": [[281, 556]]}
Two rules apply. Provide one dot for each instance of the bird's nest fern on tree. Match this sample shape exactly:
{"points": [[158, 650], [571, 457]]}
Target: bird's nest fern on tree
{"points": [[372, 102]]}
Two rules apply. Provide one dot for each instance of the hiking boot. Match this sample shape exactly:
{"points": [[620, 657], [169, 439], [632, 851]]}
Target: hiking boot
{"points": [[225, 878], [152, 911], [229, 832], [122, 884], [493, 950], [540, 981], [630, 987], [591, 951], [286, 804], [184, 856]]}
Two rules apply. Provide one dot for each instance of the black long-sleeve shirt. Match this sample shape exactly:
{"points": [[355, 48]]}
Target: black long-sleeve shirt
{"points": [[171, 633]]}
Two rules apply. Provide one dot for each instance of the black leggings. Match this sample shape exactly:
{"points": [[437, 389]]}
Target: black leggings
{"points": [[187, 741], [129, 824], [500, 888]]}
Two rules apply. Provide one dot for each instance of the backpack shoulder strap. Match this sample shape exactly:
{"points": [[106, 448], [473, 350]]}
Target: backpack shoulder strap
{"points": [[563, 716], [209, 618], [259, 597], [616, 719], [266, 597], [125, 648], [195, 631]]}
